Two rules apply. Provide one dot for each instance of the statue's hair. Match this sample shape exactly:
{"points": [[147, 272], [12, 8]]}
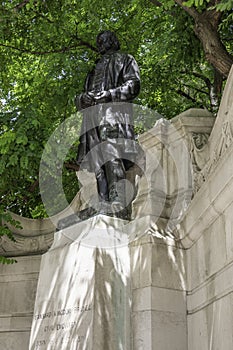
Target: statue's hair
{"points": [[113, 42]]}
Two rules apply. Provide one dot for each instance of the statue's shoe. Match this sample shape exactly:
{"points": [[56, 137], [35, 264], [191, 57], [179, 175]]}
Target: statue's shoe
{"points": [[76, 218]]}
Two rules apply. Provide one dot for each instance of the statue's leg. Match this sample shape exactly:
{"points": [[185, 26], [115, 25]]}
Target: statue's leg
{"points": [[111, 188], [102, 185], [115, 172], [116, 176]]}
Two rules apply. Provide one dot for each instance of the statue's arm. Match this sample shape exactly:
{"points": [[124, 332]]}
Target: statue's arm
{"points": [[130, 87], [84, 100]]}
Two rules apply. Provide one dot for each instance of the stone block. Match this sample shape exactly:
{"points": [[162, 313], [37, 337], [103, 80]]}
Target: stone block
{"points": [[14, 340], [211, 327], [208, 255], [141, 257], [17, 299], [158, 295], [142, 330], [83, 296], [168, 267], [169, 331]]}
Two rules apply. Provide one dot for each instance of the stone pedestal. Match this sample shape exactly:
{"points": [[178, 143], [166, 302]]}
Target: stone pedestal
{"points": [[101, 286], [83, 295]]}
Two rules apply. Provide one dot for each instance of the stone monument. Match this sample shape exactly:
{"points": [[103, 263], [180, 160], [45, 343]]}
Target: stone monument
{"points": [[160, 281], [83, 299]]}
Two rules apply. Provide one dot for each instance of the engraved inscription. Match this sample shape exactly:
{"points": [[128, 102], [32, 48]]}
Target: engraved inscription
{"points": [[62, 312], [60, 327]]}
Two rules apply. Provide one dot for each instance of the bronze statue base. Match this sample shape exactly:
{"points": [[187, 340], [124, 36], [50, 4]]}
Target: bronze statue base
{"points": [[87, 213]]}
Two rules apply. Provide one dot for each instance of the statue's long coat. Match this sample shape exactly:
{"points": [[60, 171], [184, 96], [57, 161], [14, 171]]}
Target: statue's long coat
{"points": [[107, 129]]}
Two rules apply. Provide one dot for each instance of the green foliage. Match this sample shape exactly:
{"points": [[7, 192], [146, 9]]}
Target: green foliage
{"points": [[226, 5], [5, 217], [46, 50], [8, 261], [166, 70], [5, 231], [196, 3]]}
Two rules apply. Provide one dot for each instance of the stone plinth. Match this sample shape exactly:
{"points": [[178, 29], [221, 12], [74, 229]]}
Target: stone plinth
{"points": [[103, 287], [83, 296]]}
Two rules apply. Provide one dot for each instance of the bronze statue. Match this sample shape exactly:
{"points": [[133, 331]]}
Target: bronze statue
{"points": [[112, 82]]}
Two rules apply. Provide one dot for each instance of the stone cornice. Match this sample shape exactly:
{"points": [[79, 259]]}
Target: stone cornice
{"points": [[35, 235]]}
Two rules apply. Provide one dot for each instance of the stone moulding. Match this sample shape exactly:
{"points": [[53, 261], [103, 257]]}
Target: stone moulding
{"points": [[215, 196], [222, 134], [25, 245], [215, 182], [35, 235]]}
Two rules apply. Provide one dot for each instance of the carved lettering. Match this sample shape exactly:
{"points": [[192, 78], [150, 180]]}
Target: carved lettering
{"points": [[62, 312]]}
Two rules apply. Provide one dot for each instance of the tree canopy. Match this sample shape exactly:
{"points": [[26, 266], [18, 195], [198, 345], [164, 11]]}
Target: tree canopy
{"points": [[183, 48]]}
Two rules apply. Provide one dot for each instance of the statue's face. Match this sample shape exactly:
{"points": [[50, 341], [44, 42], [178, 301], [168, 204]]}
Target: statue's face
{"points": [[104, 43]]}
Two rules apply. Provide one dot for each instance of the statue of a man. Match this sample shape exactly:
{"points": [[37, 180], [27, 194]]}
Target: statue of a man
{"points": [[115, 78]]}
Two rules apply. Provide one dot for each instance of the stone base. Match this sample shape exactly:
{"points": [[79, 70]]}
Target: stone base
{"points": [[100, 290], [104, 284], [83, 296]]}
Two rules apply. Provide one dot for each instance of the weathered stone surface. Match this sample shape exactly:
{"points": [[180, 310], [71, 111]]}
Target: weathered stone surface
{"points": [[206, 232], [158, 295], [83, 295], [211, 327], [174, 156], [91, 286], [18, 283]]}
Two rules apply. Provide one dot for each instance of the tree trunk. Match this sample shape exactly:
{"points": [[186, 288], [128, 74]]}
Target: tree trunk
{"points": [[206, 29], [215, 52], [215, 91]]}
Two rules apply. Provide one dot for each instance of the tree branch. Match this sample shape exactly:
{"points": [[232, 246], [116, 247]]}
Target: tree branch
{"points": [[42, 16], [212, 14], [33, 186], [71, 166], [202, 77], [184, 94], [61, 50], [85, 43], [195, 89], [21, 4], [156, 3], [190, 10]]}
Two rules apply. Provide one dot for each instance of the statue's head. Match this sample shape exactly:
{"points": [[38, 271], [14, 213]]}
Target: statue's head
{"points": [[106, 41]]}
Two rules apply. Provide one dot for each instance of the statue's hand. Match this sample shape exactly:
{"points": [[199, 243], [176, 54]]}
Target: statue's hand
{"points": [[103, 97], [87, 99]]}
